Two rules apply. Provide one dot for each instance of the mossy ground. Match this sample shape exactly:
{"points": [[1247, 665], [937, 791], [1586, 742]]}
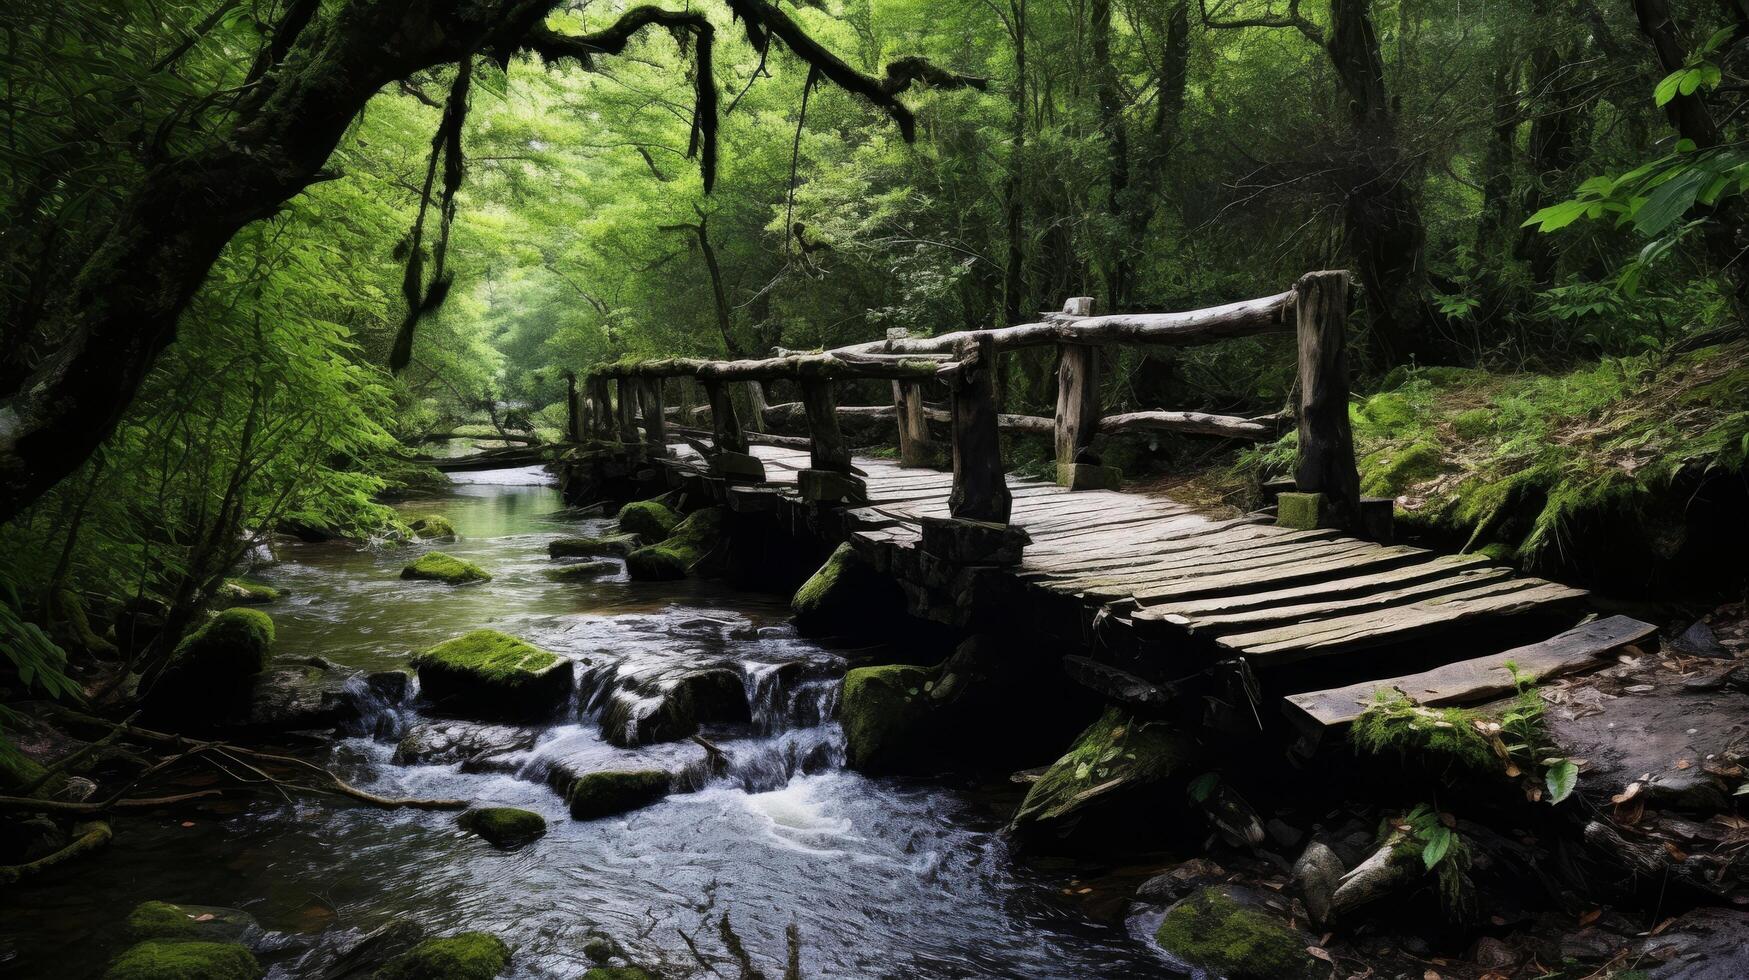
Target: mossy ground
{"points": [[1212, 930], [650, 518], [464, 956], [438, 567], [160, 959], [1527, 466]]}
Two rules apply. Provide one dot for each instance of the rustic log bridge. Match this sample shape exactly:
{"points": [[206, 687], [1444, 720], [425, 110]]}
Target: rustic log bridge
{"points": [[1315, 308]]}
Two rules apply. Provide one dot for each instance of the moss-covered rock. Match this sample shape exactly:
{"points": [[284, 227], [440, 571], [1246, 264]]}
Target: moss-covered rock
{"points": [[161, 959], [213, 671], [243, 592], [651, 519], [164, 920], [463, 956], [1213, 930], [673, 707], [677, 554], [504, 826], [1118, 752], [886, 714], [841, 593], [435, 566], [432, 527], [618, 545], [619, 973], [603, 794], [586, 570], [494, 675], [72, 626]]}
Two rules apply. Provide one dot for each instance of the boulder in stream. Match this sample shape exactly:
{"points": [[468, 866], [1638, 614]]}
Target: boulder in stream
{"points": [[844, 592], [160, 959], [587, 570], [213, 671], [677, 554], [650, 518], [604, 794], [243, 592], [619, 545], [491, 674], [436, 743], [432, 527], [886, 714], [463, 956], [1222, 930], [435, 566], [1111, 760], [506, 827], [207, 923], [670, 708]]}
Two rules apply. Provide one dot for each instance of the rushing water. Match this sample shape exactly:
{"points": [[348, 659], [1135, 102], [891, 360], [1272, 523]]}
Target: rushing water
{"points": [[880, 878]]}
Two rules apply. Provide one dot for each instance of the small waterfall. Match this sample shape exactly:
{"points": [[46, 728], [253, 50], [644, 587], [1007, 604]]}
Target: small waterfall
{"points": [[382, 705]]}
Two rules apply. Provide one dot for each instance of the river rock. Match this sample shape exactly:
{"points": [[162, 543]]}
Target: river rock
{"points": [[1702, 944], [844, 592], [886, 714], [586, 570], [1116, 756], [1317, 874], [676, 555], [1226, 931], [351, 954], [212, 673], [670, 708], [1698, 641], [304, 698], [242, 592], [504, 826], [490, 674], [159, 959], [435, 566], [619, 545], [652, 519], [604, 794], [1168, 887], [208, 923], [432, 527], [444, 742], [463, 956]]}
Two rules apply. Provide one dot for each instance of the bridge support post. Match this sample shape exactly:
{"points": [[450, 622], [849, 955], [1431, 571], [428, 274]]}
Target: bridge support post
{"points": [[574, 409], [915, 446], [1077, 420], [602, 402], [829, 479], [628, 414], [732, 460], [1326, 450], [980, 490], [655, 422]]}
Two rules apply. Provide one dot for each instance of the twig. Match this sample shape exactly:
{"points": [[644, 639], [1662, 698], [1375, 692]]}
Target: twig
{"points": [[92, 836]]}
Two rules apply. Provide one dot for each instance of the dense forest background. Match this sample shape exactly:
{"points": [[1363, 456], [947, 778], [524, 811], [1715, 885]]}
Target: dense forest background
{"points": [[1156, 154]]}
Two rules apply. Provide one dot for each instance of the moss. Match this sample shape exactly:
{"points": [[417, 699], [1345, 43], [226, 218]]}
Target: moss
{"points": [[649, 518], [213, 670], [1473, 424], [504, 826], [463, 956], [842, 591], [171, 960], [583, 570], [494, 674], [619, 973], [886, 715], [1398, 469], [72, 627], [1115, 747], [435, 566], [163, 920], [432, 527], [680, 552], [603, 794], [1212, 930], [243, 592], [17, 769], [1392, 723], [620, 545], [1300, 511], [1389, 410]]}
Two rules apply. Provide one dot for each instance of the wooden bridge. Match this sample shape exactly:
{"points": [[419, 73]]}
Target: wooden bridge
{"points": [[1153, 586]]}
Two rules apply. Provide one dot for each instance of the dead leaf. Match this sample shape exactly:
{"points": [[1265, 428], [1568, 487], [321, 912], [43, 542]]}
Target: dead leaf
{"points": [[1588, 917], [1625, 795], [205, 917], [188, 823], [1683, 763], [1660, 927], [1676, 853], [1321, 953], [1430, 975]]}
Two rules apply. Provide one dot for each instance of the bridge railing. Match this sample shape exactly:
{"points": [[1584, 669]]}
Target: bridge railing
{"points": [[1315, 309]]}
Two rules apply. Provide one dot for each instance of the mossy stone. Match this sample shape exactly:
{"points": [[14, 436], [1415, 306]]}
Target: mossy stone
{"points": [[1300, 511], [493, 674], [619, 545], [1116, 749], [243, 592], [162, 959], [886, 715], [433, 527], [583, 571], [435, 566], [1213, 930], [677, 554], [841, 592], [504, 826], [603, 794], [164, 920], [649, 518], [213, 670], [463, 956], [619, 973]]}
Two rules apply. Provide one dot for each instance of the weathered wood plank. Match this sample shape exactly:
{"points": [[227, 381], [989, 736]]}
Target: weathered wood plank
{"points": [[1473, 681], [1306, 572], [1258, 619], [1360, 585]]}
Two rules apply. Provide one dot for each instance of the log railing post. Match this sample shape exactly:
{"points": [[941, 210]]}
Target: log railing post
{"points": [[915, 446], [980, 490], [725, 424], [573, 409], [1325, 472], [828, 478], [602, 417], [655, 422], [1077, 421]]}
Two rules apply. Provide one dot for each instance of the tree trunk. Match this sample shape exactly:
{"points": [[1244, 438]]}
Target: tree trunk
{"points": [[1014, 281], [1554, 147], [1120, 267]]}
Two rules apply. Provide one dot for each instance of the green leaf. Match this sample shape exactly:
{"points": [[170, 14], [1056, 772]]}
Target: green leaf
{"points": [[1666, 89], [1557, 216], [1438, 844], [1690, 81], [1670, 201], [1200, 787], [1560, 780], [1718, 38]]}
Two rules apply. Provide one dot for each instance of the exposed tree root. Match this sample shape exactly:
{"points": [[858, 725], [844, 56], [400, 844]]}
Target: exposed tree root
{"points": [[91, 837]]}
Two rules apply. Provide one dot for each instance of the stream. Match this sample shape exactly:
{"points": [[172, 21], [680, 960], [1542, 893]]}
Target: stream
{"points": [[881, 878]]}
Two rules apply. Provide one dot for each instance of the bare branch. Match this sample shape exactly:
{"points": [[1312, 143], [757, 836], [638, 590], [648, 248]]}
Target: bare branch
{"points": [[1291, 18]]}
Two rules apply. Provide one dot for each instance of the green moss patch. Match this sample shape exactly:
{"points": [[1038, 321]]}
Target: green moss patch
{"points": [[604, 794], [650, 518], [213, 670], [886, 715], [435, 566], [1212, 930], [619, 545], [433, 527], [243, 592], [504, 826], [463, 956], [1116, 751], [171, 960], [843, 591], [680, 552], [493, 674]]}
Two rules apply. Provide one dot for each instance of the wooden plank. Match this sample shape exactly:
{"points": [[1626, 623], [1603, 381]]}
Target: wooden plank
{"points": [[1215, 566], [1346, 633], [1472, 681], [1308, 572], [1257, 619], [1360, 585]]}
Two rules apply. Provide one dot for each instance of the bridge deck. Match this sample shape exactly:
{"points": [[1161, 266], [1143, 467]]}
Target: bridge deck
{"points": [[1241, 585]]}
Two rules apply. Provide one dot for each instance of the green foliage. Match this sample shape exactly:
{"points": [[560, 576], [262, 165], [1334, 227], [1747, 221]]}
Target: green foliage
{"points": [[158, 959], [1431, 837]]}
